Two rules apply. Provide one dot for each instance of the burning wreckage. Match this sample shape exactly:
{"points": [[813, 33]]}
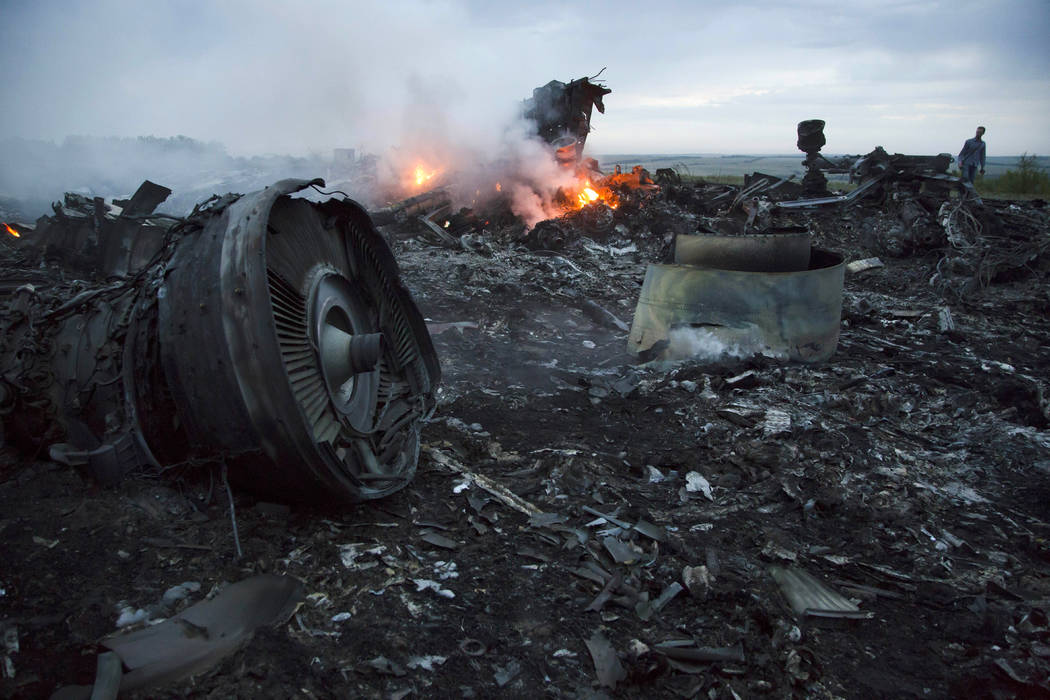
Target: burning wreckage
{"points": [[268, 332], [273, 335]]}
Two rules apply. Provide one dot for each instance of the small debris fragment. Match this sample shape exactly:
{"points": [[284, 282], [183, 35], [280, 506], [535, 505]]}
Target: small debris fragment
{"points": [[746, 380], [108, 674], [696, 483], [502, 493], [684, 650], [176, 593], [607, 666], [439, 540], [506, 674], [130, 616], [863, 265], [472, 647], [673, 589], [777, 423], [427, 584], [621, 551], [383, 665], [945, 322], [427, 663], [350, 553], [808, 596], [698, 580], [653, 532], [446, 570], [205, 633]]}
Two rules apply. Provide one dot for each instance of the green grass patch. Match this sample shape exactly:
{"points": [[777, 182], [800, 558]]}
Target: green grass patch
{"points": [[1026, 180]]}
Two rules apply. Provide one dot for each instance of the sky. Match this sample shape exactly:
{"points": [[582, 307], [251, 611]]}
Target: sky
{"points": [[269, 76]]}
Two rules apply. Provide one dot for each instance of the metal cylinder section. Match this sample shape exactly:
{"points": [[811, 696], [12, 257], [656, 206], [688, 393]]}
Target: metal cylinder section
{"points": [[794, 315], [778, 251], [293, 350]]}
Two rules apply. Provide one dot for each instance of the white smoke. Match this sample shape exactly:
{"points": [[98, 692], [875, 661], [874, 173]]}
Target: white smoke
{"points": [[253, 77], [474, 149], [712, 343]]}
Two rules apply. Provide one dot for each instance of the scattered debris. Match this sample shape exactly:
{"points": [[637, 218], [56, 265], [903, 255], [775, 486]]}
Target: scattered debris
{"points": [[906, 473], [504, 495]]}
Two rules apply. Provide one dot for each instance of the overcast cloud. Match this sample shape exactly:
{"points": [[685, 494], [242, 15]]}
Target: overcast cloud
{"points": [[264, 76]]}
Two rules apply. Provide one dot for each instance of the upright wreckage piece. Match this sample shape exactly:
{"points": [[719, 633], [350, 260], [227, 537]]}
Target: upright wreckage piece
{"points": [[769, 294], [562, 113], [267, 331]]}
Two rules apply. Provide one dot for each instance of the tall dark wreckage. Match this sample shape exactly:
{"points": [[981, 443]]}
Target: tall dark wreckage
{"points": [[265, 332]]}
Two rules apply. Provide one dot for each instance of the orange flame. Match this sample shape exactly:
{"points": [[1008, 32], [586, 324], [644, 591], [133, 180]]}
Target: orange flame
{"points": [[422, 175], [499, 187], [13, 232], [589, 194]]}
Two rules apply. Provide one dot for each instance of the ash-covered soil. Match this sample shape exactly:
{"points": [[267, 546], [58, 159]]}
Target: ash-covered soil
{"points": [[910, 474]]}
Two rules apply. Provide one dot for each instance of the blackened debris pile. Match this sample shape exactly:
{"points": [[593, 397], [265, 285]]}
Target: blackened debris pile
{"points": [[265, 331]]}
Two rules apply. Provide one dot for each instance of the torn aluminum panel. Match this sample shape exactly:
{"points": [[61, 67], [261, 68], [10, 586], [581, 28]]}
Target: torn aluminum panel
{"points": [[808, 596], [794, 315], [785, 250], [191, 642], [265, 331], [607, 666], [204, 634]]}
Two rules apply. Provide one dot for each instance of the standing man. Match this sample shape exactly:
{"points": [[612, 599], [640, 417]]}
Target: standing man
{"points": [[971, 156]]}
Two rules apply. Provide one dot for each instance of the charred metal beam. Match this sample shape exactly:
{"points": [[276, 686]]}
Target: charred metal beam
{"points": [[834, 199]]}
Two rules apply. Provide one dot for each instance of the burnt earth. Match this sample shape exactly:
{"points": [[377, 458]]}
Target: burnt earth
{"points": [[910, 473]]}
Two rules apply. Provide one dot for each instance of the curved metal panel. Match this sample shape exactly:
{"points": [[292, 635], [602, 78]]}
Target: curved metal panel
{"points": [[790, 314], [785, 251]]}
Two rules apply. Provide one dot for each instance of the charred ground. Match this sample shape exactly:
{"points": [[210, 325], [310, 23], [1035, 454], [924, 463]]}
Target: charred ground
{"points": [[911, 473]]}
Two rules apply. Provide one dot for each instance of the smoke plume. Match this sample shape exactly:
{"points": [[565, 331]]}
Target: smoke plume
{"points": [[240, 81]]}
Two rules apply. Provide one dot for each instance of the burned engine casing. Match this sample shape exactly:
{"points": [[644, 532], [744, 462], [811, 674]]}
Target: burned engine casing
{"points": [[269, 332]]}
